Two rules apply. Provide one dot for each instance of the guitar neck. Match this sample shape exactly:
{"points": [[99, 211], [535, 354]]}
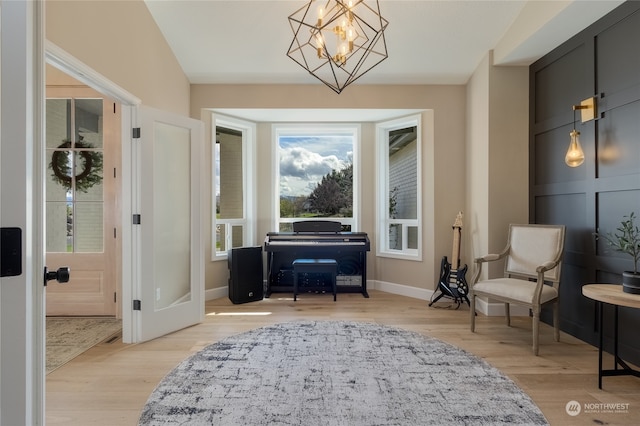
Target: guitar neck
{"points": [[455, 253]]}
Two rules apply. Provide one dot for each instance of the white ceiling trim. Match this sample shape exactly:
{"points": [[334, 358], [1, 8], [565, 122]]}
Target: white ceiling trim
{"points": [[327, 115]]}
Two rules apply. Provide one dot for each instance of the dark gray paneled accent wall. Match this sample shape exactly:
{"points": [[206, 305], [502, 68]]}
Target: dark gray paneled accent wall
{"points": [[601, 61]]}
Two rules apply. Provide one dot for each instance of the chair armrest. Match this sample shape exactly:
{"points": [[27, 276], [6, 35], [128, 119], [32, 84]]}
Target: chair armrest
{"points": [[493, 256], [478, 262], [487, 258], [546, 266]]}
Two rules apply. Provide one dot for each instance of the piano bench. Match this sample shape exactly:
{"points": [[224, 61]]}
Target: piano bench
{"points": [[327, 266]]}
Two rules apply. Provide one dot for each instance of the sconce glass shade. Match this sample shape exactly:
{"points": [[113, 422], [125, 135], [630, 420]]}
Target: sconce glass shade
{"points": [[575, 154]]}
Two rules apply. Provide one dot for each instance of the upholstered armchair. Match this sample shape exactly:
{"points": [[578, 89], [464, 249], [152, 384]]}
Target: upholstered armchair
{"points": [[532, 267]]}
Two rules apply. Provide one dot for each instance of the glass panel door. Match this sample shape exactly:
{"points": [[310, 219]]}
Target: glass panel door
{"points": [[170, 287], [81, 143], [171, 214]]}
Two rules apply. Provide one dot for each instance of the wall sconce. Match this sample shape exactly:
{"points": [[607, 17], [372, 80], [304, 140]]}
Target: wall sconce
{"points": [[575, 154]]}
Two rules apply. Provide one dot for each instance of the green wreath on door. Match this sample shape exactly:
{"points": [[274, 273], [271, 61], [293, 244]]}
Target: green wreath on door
{"points": [[90, 175]]}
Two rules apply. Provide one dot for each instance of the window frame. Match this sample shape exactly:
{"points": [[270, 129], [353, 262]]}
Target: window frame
{"points": [[248, 130], [287, 129], [383, 219]]}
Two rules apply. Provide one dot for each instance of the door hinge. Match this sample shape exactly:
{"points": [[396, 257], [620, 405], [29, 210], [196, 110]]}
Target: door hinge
{"points": [[115, 297], [115, 235], [136, 219], [137, 305], [136, 133]]}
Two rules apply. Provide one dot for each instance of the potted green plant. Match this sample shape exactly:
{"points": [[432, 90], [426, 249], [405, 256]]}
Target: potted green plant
{"points": [[626, 239]]}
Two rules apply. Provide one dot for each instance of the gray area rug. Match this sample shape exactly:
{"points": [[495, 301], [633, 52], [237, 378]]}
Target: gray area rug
{"points": [[68, 337], [336, 373]]}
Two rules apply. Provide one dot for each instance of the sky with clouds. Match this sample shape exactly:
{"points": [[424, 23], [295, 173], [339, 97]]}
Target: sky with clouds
{"points": [[304, 160]]}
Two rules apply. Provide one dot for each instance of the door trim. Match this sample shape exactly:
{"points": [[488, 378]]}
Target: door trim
{"points": [[62, 60], [22, 336]]}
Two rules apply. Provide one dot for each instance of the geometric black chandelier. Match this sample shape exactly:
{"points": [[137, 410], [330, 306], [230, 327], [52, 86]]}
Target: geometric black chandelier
{"points": [[338, 41]]}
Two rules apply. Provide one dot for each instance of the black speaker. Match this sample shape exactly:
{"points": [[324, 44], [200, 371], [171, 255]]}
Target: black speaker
{"points": [[245, 274]]}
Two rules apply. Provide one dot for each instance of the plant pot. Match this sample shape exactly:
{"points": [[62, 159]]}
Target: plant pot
{"points": [[631, 282]]}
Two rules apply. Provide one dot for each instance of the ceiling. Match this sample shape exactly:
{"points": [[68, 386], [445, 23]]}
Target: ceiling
{"points": [[428, 41]]}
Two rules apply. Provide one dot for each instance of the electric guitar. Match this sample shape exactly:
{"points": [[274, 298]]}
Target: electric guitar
{"points": [[453, 282]]}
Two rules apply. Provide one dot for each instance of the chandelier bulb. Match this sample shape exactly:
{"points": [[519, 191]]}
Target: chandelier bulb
{"points": [[351, 33]]}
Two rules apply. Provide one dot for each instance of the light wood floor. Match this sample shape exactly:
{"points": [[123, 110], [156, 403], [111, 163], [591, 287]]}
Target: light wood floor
{"points": [[110, 383]]}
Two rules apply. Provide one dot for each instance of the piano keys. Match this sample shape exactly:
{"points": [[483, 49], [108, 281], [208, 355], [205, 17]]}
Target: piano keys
{"points": [[349, 249]]}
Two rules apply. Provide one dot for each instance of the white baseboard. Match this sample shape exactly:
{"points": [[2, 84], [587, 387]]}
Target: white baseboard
{"points": [[400, 289], [496, 309], [216, 293], [482, 305]]}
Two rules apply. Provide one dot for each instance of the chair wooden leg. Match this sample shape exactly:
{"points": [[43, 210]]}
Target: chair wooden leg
{"points": [[472, 312], [536, 324], [507, 314], [556, 322]]}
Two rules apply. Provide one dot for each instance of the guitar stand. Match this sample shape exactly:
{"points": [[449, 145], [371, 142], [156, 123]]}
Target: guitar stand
{"points": [[452, 293]]}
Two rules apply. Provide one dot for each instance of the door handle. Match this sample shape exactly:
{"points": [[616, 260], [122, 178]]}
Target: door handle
{"points": [[61, 275]]}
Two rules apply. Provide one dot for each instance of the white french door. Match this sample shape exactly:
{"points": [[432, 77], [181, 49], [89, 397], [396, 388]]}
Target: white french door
{"points": [[167, 234]]}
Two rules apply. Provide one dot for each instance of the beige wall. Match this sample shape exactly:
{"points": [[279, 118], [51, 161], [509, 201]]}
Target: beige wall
{"points": [[508, 151], [121, 41], [498, 157], [480, 131], [475, 233], [443, 181]]}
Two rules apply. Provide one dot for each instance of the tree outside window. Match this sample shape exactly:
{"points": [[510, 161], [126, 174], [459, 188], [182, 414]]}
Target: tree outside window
{"points": [[316, 176]]}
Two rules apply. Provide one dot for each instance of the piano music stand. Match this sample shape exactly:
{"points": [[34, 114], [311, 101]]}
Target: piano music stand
{"points": [[317, 226]]}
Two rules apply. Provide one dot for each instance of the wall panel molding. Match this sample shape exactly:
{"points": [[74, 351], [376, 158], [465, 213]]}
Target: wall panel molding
{"points": [[601, 61]]}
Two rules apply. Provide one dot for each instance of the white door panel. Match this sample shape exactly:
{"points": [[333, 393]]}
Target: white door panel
{"points": [[171, 284]]}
